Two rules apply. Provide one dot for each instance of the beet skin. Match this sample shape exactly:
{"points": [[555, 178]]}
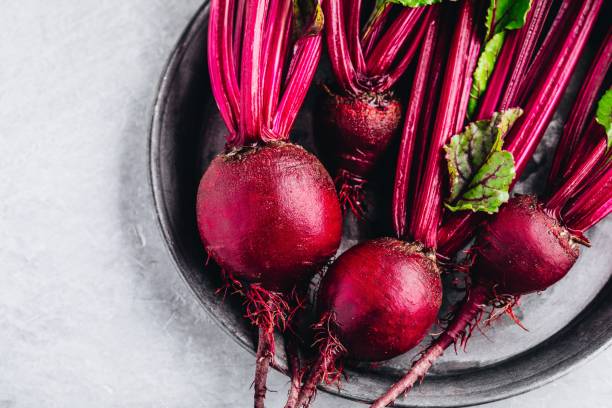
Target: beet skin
{"points": [[523, 249], [269, 214], [384, 294], [357, 131]]}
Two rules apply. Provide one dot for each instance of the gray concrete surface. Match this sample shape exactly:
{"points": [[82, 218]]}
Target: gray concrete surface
{"points": [[92, 311]]}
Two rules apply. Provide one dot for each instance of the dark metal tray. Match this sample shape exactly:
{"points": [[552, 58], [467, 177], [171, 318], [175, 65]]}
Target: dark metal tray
{"points": [[567, 324]]}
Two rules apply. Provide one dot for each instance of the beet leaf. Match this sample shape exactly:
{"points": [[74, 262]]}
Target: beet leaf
{"points": [[480, 172], [502, 15]]}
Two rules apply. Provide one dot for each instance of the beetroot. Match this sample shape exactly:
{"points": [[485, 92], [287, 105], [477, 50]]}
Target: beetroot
{"points": [[361, 116], [269, 214], [375, 302], [267, 210], [523, 249], [407, 278], [375, 119]]}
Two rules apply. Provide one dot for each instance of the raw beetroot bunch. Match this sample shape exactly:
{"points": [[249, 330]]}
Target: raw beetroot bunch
{"points": [[529, 244], [267, 210]]}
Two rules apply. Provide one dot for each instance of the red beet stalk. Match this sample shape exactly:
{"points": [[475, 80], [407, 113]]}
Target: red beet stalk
{"points": [[426, 213], [414, 121], [582, 111], [591, 205], [528, 40]]}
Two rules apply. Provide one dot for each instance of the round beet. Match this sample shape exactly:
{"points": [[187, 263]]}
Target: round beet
{"points": [[384, 294], [269, 214], [523, 249], [358, 130]]}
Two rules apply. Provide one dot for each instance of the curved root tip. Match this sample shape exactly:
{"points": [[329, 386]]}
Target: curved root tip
{"points": [[351, 193]]}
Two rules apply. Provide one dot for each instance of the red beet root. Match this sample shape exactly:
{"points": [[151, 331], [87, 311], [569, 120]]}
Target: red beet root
{"points": [[377, 301], [380, 321], [359, 130], [269, 214], [523, 249]]}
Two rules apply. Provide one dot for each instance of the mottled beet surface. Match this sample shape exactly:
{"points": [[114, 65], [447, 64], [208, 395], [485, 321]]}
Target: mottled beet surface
{"points": [[523, 249], [269, 214], [385, 295], [359, 130]]}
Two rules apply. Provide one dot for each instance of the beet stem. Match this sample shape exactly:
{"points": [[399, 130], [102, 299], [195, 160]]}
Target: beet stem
{"points": [[528, 40], [250, 74], [302, 68], [411, 126], [337, 44], [467, 313], [579, 176], [354, 41], [565, 160], [374, 27], [220, 68], [388, 47], [593, 203], [426, 212], [276, 39], [549, 48], [495, 88], [409, 54]]}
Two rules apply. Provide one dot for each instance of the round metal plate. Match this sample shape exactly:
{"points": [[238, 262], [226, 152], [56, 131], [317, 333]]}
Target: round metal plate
{"points": [[567, 324]]}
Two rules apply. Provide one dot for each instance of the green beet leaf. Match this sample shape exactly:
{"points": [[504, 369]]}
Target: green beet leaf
{"points": [[480, 173], [603, 116], [488, 190], [506, 15], [502, 15], [484, 68]]}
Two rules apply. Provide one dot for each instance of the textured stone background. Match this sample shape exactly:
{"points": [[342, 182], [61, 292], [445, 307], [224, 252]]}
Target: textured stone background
{"points": [[92, 311]]}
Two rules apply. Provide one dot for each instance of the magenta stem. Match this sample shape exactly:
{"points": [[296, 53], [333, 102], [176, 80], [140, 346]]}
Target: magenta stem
{"points": [[374, 28], [218, 65], [337, 45], [275, 48], [470, 65], [389, 46], [307, 52], [592, 205], [239, 23], [354, 40], [414, 43], [411, 126], [539, 110], [528, 40], [497, 83], [565, 160], [586, 168], [549, 48], [250, 74], [426, 212]]}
